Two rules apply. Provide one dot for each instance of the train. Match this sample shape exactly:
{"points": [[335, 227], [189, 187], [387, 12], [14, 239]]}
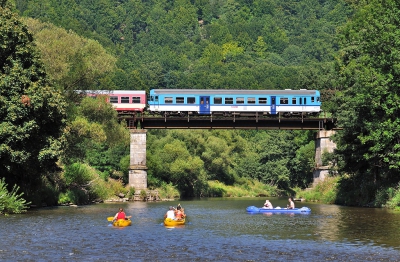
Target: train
{"points": [[214, 102]]}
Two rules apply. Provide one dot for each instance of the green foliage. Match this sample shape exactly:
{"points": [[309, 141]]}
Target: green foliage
{"points": [[76, 196], [143, 195], [78, 173], [32, 112], [190, 159], [72, 62], [325, 191], [231, 44], [168, 191], [249, 188], [84, 185], [367, 106], [11, 202], [185, 44], [96, 136], [394, 198]]}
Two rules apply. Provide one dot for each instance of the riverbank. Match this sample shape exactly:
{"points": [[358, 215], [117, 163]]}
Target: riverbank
{"points": [[329, 192]]}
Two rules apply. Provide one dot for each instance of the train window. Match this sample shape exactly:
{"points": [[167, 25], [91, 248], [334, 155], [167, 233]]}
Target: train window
{"points": [[312, 99], [239, 100], [180, 100], [262, 100], [251, 100], [294, 101], [283, 101], [305, 99], [229, 100], [218, 100], [114, 99], [191, 100], [125, 100], [135, 100], [168, 100]]}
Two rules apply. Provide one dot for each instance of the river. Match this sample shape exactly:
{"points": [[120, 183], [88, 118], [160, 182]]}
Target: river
{"points": [[217, 230]]}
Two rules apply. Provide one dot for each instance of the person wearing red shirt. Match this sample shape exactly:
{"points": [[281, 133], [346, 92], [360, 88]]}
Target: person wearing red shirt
{"points": [[121, 215]]}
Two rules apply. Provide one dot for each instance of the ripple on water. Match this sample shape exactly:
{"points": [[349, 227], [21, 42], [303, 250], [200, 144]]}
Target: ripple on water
{"points": [[216, 231]]}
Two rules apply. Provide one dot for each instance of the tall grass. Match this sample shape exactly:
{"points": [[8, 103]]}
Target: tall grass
{"points": [[248, 188], [325, 191], [11, 202], [393, 201]]}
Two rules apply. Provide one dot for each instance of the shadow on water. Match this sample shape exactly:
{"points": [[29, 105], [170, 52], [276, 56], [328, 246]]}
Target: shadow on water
{"points": [[216, 230]]}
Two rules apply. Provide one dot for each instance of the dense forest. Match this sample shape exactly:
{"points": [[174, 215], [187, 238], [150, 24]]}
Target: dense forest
{"points": [[50, 48]]}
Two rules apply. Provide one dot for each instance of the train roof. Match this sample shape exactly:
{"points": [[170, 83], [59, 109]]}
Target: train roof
{"points": [[112, 92], [232, 92]]}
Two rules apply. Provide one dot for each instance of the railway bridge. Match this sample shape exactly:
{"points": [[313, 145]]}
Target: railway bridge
{"points": [[324, 127]]}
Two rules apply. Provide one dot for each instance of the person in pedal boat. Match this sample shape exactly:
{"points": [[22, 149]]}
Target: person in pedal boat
{"points": [[268, 205], [179, 215], [121, 215], [291, 203], [170, 213]]}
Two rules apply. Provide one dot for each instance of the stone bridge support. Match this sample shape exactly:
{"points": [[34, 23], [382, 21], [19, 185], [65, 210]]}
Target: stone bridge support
{"points": [[323, 143], [137, 167]]}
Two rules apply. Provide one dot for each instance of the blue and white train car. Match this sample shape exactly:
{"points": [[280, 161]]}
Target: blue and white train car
{"points": [[234, 102]]}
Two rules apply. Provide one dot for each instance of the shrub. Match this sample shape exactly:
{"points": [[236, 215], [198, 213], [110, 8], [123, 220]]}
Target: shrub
{"points": [[168, 191], [325, 191], [394, 201], [11, 202]]}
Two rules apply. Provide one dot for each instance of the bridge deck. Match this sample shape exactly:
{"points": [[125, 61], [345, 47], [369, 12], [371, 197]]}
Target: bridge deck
{"points": [[231, 123]]}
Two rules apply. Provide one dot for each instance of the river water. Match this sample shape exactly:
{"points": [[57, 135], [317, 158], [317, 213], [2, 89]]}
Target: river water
{"points": [[217, 230]]}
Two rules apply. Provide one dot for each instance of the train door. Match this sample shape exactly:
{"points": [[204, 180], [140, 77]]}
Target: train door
{"points": [[156, 104], [303, 104], [204, 105], [273, 105]]}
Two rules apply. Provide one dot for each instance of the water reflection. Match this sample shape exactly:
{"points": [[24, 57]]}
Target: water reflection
{"points": [[216, 230]]}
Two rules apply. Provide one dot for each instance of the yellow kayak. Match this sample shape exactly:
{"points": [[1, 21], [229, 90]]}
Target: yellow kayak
{"points": [[171, 222], [122, 223]]}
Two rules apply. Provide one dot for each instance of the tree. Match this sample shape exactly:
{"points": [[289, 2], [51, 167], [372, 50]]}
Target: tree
{"points": [[368, 107], [71, 61], [32, 112]]}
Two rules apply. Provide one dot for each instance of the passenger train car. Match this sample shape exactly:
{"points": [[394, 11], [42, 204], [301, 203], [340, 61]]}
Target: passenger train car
{"points": [[124, 101], [182, 102], [234, 102]]}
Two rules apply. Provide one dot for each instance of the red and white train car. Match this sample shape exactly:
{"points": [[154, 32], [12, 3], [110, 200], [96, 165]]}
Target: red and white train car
{"points": [[124, 101]]}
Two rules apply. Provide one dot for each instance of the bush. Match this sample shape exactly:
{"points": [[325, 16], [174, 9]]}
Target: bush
{"points": [[11, 202], [168, 191], [394, 201], [325, 191], [245, 188], [76, 196], [85, 185]]}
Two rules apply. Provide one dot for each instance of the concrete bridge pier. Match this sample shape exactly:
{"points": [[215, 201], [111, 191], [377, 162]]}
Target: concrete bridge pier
{"points": [[137, 167], [323, 143]]}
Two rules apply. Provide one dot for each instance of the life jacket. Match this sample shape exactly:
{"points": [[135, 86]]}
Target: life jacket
{"points": [[178, 214], [121, 215]]}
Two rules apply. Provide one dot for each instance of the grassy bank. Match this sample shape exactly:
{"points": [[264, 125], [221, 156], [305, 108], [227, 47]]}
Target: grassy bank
{"points": [[247, 189], [327, 192], [324, 191]]}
